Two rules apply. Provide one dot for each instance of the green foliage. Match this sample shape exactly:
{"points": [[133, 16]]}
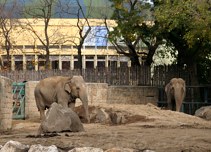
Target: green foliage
{"points": [[190, 19], [134, 26], [186, 25], [204, 68]]}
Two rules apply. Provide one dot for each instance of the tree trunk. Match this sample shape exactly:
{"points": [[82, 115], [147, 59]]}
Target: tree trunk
{"points": [[150, 55], [80, 59], [135, 60], [47, 58]]}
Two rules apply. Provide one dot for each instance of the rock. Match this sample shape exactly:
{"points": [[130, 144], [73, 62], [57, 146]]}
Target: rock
{"points": [[60, 119], [148, 151], [117, 118], [116, 149], [102, 116], [81, 113], [40, 148], [86, 149], [14, 146], [204, 112]]}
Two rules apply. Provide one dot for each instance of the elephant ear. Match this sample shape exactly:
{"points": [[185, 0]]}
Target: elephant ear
{"points": [[67, 87], [168, 87]]}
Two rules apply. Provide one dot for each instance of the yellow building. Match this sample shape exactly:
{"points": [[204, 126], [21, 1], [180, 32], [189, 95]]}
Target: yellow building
{"points": [[28, 52]]}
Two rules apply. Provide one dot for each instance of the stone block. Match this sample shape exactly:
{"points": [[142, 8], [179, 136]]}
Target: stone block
{"points": [[6, 98]]}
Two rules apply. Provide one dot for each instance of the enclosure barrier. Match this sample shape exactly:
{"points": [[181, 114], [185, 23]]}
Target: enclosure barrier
{"points": [[99, 93], [196, 97]]}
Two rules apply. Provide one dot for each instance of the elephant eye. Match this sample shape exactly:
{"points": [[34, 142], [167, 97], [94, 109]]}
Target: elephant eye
{"points": [[77, 88]]}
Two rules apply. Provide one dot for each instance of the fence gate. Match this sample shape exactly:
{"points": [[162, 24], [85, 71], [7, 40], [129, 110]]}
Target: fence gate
{"points": [[18, 100]]}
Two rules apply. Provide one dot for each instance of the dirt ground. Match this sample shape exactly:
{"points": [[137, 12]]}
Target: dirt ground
{"points": [[158, 130]]}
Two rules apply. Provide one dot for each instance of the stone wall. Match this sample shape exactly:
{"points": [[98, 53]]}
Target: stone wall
{"points": [[6, 103], [31, 110], [97, 92], [132, 94], [100, 93]]}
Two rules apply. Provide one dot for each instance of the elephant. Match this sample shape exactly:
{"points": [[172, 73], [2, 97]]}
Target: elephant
{"points": [[175, 92], [63, 90]]}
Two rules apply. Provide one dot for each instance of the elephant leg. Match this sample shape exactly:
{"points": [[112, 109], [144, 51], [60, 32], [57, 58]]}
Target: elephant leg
{"points": [[173, 105], [42, 115], [170, 105], [169, 101]]}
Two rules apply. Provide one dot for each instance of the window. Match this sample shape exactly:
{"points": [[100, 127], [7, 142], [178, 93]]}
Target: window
{"points": [[97, 36]]}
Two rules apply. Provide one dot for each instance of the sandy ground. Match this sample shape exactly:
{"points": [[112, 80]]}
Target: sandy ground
{"points": [[158, 130]]}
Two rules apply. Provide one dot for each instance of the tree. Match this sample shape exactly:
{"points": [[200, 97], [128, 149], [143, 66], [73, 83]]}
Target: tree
{"points": [[41, 10], [82, 22], [186, 25], [8, 20], [135, 25]]}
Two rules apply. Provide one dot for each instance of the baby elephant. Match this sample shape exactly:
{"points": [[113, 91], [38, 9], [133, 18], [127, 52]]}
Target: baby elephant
{"points": [[175, 91]]}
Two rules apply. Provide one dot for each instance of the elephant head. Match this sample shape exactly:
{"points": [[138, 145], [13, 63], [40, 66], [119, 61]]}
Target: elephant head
{"points": [[77, 88], [175, 91]]}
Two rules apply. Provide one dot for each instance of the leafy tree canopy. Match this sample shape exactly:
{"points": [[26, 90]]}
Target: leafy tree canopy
{"points": [[134, 25], [187, 26]]}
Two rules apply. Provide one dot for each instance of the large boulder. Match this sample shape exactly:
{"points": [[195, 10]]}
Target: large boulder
{"points": [[204, 112], [59, 119]]}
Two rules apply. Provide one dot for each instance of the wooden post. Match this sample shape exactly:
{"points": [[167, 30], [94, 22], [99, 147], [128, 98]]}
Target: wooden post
{"points": [[95, 61], [24, 62], [83, 62], [60, 62], [36, 62], [118, 62], [72, 62], [12, 63], [106, 61]]}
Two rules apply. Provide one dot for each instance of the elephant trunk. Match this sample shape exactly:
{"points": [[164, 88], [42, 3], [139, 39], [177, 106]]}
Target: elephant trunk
{"points": [[84, 98], [178, 95]]}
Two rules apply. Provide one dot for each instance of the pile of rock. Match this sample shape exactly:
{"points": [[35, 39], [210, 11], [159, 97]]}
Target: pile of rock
{"points": [[108, 116], [14, 146], [204, 112]]}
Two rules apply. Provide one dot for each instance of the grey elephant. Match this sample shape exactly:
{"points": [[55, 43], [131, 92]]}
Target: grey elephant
{"points": [[175, 92], [63, 90]]}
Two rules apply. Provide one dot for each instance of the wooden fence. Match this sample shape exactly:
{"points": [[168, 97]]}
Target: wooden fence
{"points": [[163, 74], [144, 75], [112, 76]]}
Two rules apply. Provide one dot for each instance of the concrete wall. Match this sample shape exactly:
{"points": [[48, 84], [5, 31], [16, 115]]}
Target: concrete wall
{"points": [[31, 110], [97, 92], [132, 94], [100, 93], [6, 103]]}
